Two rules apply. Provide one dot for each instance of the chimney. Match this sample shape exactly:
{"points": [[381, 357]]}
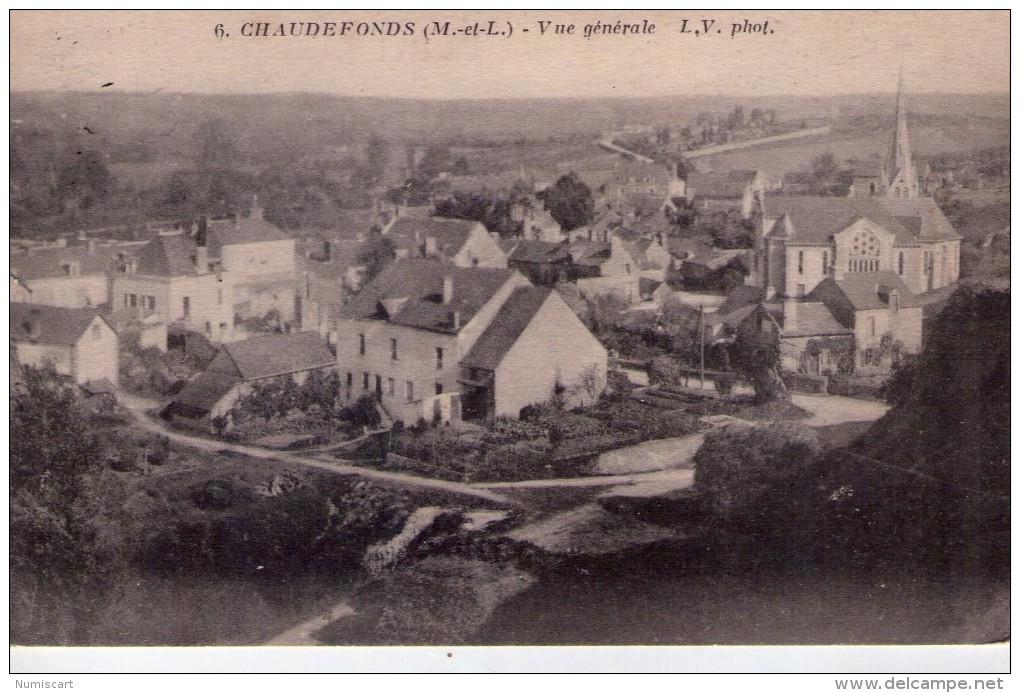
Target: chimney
{"points": [[431, 249], [790, 314], [201, 259], [447, 290]]}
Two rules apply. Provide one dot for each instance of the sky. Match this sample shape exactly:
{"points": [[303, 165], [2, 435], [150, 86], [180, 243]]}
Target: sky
{"points": [[799, 52]]}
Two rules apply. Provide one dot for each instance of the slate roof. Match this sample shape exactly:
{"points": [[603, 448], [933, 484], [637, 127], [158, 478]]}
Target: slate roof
{"points": [[31, 322], [539, 252], [510, 322], [204, 391], [450, 234], [277, 354], [42, 263], [238, 230], [870, 290], [414, 290], [817, 219], [814, 319], [724, 185], [590, 253], [168, 256]]}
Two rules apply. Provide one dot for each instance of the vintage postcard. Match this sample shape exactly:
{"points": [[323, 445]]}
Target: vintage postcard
{"points": [[510, 328]]}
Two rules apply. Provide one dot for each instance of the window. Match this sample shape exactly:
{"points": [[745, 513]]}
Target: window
{"points": [[439, 388], [391, 387], [865, 252], [97, 332], [350, 379], [869, 357], [628, 268], [410, 391], [439, 358], [187, 306], [150, 302], [378, 385], [825, 262], [208, 328], [361, 347], [900, 267], [219, 295], [223, 328], [895, 302], [393, 348], [364, 380], [871, 326], [800, 262]]}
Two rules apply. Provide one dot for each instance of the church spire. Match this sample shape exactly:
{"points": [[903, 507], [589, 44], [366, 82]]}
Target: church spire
{"points": [[900, 162]]}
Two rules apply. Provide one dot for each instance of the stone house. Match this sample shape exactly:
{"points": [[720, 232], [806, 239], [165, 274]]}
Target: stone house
{"points": [[457, 241], [404, 339], [77, 342], [238, 367], [62, 275]]}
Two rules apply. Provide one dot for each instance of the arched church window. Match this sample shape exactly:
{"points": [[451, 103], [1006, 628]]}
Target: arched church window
{"points": [[900, 268], [865, 252], [800, 262], [825, 262]]}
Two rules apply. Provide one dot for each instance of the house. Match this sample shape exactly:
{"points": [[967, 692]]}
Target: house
{"points": [[722, 191], [700, 266], [173, 277], [238, 367], [260, 259], [457, 241], [885, 317], [76, 342], [542, 262], [606, 268], [63, 275], [802, 240], [404, 337], [536, 222], [534, 347]]}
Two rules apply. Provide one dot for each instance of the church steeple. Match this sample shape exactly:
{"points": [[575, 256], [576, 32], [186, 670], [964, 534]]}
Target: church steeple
{"points": [[899, 166]]}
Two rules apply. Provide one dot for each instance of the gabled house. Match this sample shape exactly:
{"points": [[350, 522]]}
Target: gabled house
{"points": [[63, 275], [885, 317], [606, 268], [238, 367], [77, 342], [260, 260], [173, 277], [404, 338], [722, 191], [456, 241], [542, 262]]}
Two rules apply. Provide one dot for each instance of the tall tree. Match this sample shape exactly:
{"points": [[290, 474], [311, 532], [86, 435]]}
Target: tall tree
{"points": [[376, 253], [569, 201]]}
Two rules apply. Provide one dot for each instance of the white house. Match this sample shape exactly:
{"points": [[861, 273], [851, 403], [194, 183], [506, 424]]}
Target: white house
{"points": [[76, 342]]}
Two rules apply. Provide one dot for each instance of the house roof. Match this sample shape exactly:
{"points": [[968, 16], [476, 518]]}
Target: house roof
{"points": [[539, 251], [168, 256], [722, 185], [590, 253], [510, 322], [277, 354], [870, 290], [240, 230], [812, 219], [731, 318], [205, 390], [813, 318], [450, 234], [741, 295], [45, 262], [31, 322], [413, 290]]}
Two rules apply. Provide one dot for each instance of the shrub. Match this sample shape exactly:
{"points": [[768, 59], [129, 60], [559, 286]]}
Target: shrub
{"points": [[724, 383]]}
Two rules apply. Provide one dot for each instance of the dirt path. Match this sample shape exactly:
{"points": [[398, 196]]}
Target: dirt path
{"points": [[138, 406], [301, 634], [827, 410]]}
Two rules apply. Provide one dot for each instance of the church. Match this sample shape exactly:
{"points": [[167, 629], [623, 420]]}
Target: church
{"points": [[854, 268]]}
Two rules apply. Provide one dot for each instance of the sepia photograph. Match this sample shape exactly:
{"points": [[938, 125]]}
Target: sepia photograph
{"points": [[509, 328]]}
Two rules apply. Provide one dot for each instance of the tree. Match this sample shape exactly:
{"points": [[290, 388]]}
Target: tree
{"points": [[434, 161], [755, 355], [375, 254], [62, 558], [377, 156], [569, 201]]}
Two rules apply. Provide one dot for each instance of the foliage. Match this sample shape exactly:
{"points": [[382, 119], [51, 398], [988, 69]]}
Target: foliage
{"points": [[375, 254], [569, 201], [754, 355], [85, 178], [492, 210], [746, 472], [727, 229], [63, 554], [150, 371]]}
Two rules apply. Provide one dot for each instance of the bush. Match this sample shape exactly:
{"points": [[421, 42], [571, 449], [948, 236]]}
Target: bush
{"points": [[724, 383], [748, 474]]}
